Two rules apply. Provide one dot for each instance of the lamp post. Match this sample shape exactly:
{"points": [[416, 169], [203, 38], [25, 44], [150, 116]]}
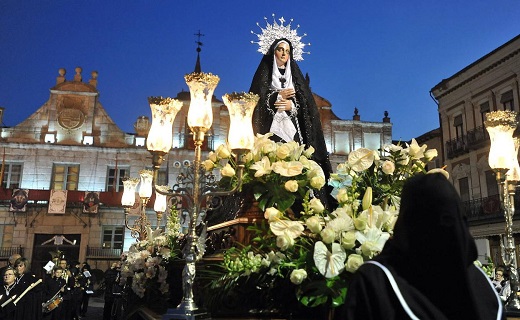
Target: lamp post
{"points": [[504, 162], [141, 223], [195, 187]]}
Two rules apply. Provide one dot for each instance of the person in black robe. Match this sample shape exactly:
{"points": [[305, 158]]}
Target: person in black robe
{"points": [[431, 257], [287, 107], [111, 284], [87, 284], [54, 287], [9, 290], [30, 305]]}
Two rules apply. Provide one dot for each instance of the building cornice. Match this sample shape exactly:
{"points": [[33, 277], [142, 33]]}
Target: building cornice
{"points": [[442, 85]]}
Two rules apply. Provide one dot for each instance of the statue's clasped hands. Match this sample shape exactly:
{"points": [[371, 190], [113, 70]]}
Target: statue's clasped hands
{"points": [[285, 103]]}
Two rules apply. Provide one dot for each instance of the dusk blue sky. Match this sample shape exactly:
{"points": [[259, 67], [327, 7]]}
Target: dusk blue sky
{"points": [[373, 55]]}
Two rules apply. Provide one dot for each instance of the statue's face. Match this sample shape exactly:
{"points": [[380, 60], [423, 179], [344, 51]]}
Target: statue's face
{"points": [[282, 53]]}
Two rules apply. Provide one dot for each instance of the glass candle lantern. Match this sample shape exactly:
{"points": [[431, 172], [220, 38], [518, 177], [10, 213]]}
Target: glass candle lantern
{"points": [[241, 107], [164, 111], [202, 86]]}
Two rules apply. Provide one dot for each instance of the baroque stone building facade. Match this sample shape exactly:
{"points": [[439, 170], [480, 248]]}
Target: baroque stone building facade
{"points": [[488, 84], [71, 143]]}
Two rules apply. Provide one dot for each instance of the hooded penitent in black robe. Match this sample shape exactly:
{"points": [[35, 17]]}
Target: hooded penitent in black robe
{"points": [[431, 258], [308, 117]]}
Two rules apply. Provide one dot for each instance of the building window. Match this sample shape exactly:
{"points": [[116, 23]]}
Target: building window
{"points": [[12, 175], [113, 237], [115, 178], [484, 108], [464, 189], [507, 100], [457, 123], [491, 183], [372, 140], [162, 176], [65, 177], [341, 142]]}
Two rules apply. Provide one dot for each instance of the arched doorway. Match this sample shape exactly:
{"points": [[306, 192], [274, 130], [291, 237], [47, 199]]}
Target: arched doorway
{"points": [[46, 246]]}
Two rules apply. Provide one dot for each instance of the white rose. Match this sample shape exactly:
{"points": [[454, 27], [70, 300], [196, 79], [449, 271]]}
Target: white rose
{"points": [[223, 152], [284, 242], [208, 165], [213, 156], [348, 239], [354, 261], [342, 168], [272, 214], [291, 186], [227, 171], [298, 275], [283, 151], [268, 147], [342, 195], [328, 235], [388, 167], [314, 224], [316, 205], [317, 182]]}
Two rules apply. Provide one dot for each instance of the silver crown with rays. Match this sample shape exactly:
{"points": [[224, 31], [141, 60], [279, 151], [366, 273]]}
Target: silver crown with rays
{"points": [[276, 31]]}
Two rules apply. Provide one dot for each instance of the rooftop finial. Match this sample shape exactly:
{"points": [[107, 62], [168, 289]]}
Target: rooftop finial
{"points": [[199, 44]]}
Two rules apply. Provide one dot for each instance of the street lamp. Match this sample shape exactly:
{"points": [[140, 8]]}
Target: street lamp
{"points": [[504, 162], [195, 187]]}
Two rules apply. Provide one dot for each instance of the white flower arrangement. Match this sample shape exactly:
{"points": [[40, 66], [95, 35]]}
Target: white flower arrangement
{"points": [[275, 173], [319, 250], [145, 264]]}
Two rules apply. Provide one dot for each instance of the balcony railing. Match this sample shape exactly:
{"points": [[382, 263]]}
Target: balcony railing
{"points": [[484, 209], [488, 209], [6, 252], [103, 253], [456, 147], [477, 137]]}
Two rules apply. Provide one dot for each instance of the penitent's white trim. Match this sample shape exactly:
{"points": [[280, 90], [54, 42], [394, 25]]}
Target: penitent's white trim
{"points": [[406, 308], [396, 289]]}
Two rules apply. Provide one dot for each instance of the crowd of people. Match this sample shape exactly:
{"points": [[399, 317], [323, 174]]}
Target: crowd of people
{"points": [[62, 294]]}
